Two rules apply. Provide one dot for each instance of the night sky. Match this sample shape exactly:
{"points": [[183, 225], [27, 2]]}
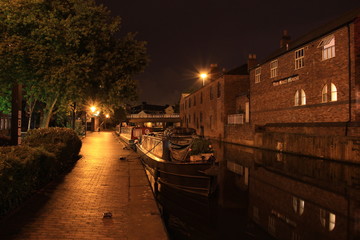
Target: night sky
{"points": [[185, 37]]}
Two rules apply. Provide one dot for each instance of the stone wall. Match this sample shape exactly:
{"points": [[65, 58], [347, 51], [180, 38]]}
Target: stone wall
{"points": [[330, 147]]}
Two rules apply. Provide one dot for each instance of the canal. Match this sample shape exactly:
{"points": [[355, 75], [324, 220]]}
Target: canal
{"points": [[268, 195]]}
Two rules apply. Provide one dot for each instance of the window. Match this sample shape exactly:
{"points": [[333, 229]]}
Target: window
{"points": [[300, 98], [211, 93], [324, 94], [189, 102], [333, 93], [257, 75], [271, 225], [201, 117], [194, 100], [299, 58], [236, 119], [328, 47], [274, 69], [333, 96], [298, 205], [303, 97], [218, 89], [201, 98], [327, 219]]}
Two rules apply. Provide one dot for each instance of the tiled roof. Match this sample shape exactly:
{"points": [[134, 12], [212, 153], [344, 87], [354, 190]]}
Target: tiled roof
{"points": [[317, 33]]}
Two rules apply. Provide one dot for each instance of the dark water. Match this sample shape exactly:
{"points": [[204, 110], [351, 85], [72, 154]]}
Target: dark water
{"points": [[269, 195]]}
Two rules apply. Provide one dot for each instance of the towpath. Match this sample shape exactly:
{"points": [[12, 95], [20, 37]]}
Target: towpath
{"points": [[73, 207]]}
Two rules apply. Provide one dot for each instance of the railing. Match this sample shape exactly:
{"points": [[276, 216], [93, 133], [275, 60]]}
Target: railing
{"points": [[153, 116]]}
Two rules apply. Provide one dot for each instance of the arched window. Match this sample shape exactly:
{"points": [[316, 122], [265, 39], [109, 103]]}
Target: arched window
{"points": [[303, 97], [333, 97], [300, 98], [296, 98], [327, 219], [298, 205], [324, 94]]}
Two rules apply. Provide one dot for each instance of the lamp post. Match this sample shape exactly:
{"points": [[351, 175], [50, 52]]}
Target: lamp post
{"points": [[107, 117], [203, 77], [92, 109]]}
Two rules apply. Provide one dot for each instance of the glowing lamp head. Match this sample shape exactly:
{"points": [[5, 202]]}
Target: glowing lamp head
{"points": [[107, 116], [93, 109], [203, 75]]}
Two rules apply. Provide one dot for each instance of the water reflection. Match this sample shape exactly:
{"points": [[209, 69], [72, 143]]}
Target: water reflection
{"points": [[269, 195]]}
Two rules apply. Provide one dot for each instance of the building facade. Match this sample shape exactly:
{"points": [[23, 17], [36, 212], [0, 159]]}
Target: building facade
{"points": [[212, 107], [311, 84]]}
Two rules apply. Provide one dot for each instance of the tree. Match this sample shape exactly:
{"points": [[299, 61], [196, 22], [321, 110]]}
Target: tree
{"points": [[66, 51]]}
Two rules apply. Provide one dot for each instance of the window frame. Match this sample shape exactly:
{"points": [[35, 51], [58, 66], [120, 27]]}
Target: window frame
{"points": [[274, 68], [328, 47], [258, 75], [299, 58]]}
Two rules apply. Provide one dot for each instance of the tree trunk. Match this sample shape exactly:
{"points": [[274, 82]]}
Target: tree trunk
{"points": [[32, 107], [47, 114]]}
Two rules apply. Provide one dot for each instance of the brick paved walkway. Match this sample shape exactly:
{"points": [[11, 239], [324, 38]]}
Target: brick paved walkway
{"points": [[73, 207]]}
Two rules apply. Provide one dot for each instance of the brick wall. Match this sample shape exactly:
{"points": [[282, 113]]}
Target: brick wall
{"points": [[211, 114], [356, 67], [274, 104]]}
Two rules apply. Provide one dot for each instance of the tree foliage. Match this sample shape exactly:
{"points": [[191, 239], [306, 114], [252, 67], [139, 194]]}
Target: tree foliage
{"points": [[67, 51]]}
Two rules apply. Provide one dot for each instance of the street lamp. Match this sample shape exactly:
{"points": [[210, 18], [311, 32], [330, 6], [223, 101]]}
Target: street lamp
{"points": [[203, 77], [92, 109]]}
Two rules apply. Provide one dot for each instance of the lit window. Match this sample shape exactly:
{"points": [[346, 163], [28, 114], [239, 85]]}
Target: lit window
{"points": [[324, 94], [303, 97], [328, 47], [274, 69], [257, 75], [298, 205], [300, 98], [327, 219], [299, 58], [296, 98], [333, 93]]}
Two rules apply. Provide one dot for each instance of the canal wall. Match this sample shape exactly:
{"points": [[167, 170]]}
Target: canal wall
{"points": [[329, 147]]}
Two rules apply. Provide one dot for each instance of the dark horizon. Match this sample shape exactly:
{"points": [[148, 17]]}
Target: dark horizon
{"points": [[185, 37]]}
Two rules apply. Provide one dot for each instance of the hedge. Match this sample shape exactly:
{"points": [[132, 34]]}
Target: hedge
{"points": [[43, 155]]}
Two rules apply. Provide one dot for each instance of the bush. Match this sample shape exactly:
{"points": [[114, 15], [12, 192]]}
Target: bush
{"points": [[64, 142], [43, 155], [22, 170]]}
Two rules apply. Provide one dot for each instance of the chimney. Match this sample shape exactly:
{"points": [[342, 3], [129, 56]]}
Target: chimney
{"points": [[285, 40], [251, 61]]}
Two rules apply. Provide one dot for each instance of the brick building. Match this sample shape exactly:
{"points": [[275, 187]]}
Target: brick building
{"points": [[212, 107], [312, 83]]}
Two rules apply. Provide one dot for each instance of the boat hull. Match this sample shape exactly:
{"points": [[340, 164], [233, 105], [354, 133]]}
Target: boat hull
{"points": [[185, 176]]}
